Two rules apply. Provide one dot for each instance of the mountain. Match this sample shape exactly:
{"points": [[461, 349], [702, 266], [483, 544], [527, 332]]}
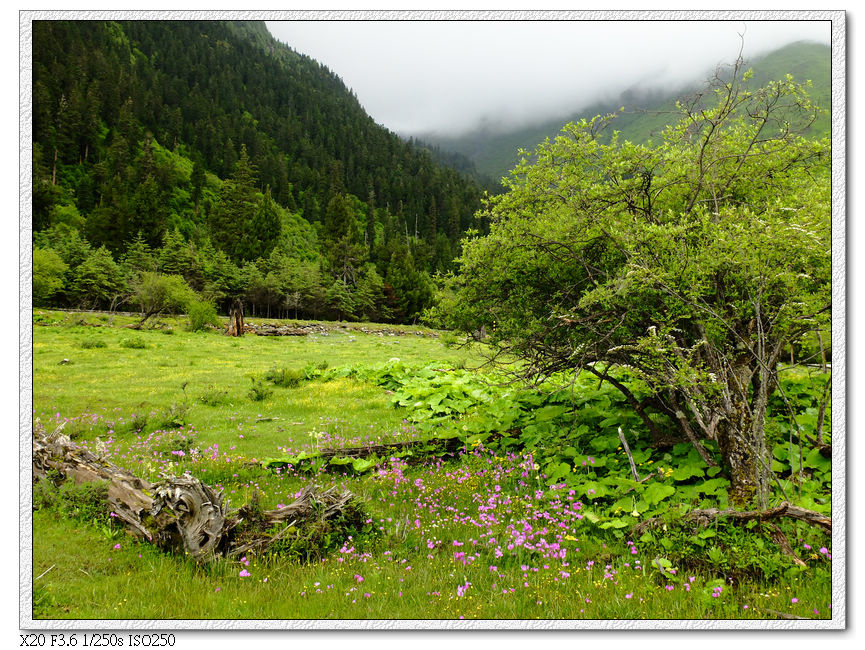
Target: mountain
{"points": [[494, 151], [214, 140]]}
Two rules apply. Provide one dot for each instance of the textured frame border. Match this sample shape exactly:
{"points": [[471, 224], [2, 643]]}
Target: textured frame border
{"points": [[839, 320]]}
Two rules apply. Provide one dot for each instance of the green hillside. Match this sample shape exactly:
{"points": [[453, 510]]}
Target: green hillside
{"points": [[495, 153], [212, 151]]}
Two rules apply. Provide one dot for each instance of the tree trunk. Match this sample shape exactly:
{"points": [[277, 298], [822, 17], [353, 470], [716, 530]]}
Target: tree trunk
{"points": [[235, 319], [742, 437]]}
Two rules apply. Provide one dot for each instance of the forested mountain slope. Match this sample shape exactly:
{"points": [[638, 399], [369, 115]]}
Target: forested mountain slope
{"points": [[211, 151]]}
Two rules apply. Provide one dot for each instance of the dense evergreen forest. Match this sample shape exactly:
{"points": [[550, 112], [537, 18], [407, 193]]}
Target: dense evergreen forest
{"points": [[178, 161]]}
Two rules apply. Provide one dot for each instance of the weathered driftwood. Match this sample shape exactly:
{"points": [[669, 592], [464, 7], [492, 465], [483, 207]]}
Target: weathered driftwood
{"points": [[182, 514]]}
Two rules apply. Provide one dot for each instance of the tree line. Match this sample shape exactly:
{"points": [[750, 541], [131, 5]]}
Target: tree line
{"points": [[249, 162]]}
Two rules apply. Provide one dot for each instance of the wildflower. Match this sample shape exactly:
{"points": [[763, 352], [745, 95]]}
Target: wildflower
{"points": [[117, 546], [244, 573], [629, 596]]}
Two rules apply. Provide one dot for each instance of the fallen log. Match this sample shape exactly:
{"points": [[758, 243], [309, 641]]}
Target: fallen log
{"points": [[704, 517], [180, 513], [382, 450], [280, 331]]}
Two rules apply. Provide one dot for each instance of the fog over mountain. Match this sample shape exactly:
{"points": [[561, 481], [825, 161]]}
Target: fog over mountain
{"points": [[450, 77]]}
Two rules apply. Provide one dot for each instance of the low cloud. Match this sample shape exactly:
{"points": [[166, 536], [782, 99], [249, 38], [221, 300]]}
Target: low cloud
{"points": [[418, 77]]}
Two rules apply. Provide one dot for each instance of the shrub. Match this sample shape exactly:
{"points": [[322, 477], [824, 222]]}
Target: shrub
{"points": [[92, 342], [213, 396], [285, 377], [133, 342], [174, 416], [137, 422], [201, 313], [177, 444], [259, 391], [85, 502], [449, 339]]}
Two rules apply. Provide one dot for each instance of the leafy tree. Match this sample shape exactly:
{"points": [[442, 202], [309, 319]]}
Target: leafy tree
{"points": [[692, 264], [202, 313], [48, 270], [155, 293]]}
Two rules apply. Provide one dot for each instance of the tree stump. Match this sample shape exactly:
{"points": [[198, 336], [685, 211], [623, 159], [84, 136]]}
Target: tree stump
{"points": [[235, 318]]}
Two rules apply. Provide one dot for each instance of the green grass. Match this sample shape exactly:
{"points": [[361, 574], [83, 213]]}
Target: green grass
{"points": [[441, 528], [117, 382]]}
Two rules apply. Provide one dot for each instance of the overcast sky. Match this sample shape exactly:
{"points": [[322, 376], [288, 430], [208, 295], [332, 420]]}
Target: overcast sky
{"points": [[416, 77]]}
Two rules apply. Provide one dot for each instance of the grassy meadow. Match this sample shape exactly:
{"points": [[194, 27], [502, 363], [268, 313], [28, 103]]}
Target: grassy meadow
{"points": [[504, 528]]}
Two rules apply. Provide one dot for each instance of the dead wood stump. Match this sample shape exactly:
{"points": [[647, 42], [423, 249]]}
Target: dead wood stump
{"points": [[180, 513], [235, 318]]}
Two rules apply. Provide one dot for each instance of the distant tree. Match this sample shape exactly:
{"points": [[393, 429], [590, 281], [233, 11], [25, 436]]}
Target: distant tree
{"points": [[97, 281], [340, 299], [156, 293], [48, 270], [342, 238]]}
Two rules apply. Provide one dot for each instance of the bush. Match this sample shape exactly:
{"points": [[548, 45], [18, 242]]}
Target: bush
{"points": [[202, 313], [259, 391], [213, 396], [90, 343], [134, 342], [137, 422], [174, 416], [449, 339], [285, 377], [177, 443]]}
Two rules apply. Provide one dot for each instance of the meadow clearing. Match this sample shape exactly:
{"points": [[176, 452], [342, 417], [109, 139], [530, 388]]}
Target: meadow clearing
{"points": [[534, 516]]}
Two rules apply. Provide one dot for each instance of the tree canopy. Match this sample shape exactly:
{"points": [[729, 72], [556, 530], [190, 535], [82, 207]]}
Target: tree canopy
{"points": [[691, 264]]}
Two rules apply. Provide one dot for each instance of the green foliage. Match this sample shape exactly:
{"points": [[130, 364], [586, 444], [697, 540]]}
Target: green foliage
{"points": [[221, 176], [176, 444], [48, 272], [93, 342], [693, 263], [87, 502], [214, 396], [285, 377], [201, 314], [259, 392], [155, 293], [133, 343], [173, 416], [97, 279]]}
